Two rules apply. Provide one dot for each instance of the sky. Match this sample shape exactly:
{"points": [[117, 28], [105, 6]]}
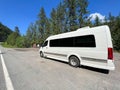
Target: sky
{"points": [[23, 12]]}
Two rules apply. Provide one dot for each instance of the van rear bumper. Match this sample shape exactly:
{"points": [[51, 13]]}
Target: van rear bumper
{"points": [[108, 66]]}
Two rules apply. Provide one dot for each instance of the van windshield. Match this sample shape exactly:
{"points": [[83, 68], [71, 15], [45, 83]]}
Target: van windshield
{"points": [[45, 44]]}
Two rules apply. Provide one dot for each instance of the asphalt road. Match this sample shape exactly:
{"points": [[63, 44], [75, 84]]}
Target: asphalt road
{"points": [[28, 71]]}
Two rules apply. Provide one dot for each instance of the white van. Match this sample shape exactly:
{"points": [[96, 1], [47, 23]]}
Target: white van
{"points": [[85, 46]]}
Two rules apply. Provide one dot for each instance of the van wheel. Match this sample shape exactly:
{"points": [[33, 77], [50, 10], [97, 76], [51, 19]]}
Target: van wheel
{"points": [[74, 61], [41, 54]]}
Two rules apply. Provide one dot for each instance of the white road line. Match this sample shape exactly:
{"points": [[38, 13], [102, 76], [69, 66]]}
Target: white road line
{"points": [[8, 81]]}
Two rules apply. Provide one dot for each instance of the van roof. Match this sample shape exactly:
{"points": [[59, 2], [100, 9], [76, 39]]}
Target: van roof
{"points": [[87, 27], [80, 30]]}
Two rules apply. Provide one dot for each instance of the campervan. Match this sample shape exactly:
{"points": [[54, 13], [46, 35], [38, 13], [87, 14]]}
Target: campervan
{"points": [[84, 46]]}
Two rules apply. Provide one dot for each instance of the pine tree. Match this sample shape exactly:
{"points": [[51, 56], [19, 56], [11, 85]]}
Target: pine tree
{"points": [[111, 23], [17, 31], [71, 14], [61, 20], [97, 21], [115, 30], [88, 22], [11, 40], [82, 12], [54, 22], [42, 23], [47, 29]]}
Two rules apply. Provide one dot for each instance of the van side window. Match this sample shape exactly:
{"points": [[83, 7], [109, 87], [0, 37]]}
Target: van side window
{"points": [[85, 41], [79, 41], [64, 42], [45, 43]]}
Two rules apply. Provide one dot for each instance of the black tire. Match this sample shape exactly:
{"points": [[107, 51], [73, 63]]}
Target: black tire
{"points": [[41, 54], [106, 71], [74, 61]]}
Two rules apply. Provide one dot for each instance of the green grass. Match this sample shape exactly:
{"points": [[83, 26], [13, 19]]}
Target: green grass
{"points": [[4, 44]]}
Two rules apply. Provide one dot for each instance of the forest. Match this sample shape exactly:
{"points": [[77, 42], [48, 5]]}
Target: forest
{"points": [[69, 15], [4, 32]]}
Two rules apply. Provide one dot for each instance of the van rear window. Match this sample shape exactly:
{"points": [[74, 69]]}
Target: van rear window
{"points": [[79, 41]]}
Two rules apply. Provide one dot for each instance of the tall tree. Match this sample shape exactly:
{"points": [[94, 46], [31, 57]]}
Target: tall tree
{"points": [[47, 29], [61, 17], [114, 24], [82, 12], [97, 21], [111, 23], [33, 30], [11, 40], [71, 14], [111, 19], [88, 22], [31, 35], [42, 22], [54, 22], [28, 37], [17, 30]]}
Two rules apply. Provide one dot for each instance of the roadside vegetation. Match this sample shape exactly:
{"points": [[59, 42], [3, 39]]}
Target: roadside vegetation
{"points": [[68, 16], [4, 32]]}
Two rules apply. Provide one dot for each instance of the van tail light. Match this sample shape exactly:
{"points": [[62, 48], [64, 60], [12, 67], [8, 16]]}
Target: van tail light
{"points": [[110, 53]]}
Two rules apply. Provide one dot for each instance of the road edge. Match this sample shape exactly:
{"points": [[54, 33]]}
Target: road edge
{"points": [[8, 81]]}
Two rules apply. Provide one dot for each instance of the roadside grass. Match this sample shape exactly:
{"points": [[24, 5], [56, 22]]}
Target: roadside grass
{"points": [[4, 44]]}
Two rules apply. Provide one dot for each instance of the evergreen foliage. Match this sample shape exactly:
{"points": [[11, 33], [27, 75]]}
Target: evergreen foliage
{"points": [[69, 15], [14, 38], [4, 32]]}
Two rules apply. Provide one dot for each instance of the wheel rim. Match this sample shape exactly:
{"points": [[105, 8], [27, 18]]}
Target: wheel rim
{"points": [[73, 62]]}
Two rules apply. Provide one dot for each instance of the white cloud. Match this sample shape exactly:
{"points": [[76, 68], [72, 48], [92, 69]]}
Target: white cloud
{"points": [[94, 15]]}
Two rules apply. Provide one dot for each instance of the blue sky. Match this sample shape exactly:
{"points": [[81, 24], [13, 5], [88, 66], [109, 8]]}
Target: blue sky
{"points": [[23, 12]]}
